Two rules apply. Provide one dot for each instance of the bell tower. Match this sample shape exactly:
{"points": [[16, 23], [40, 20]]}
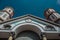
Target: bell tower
{"points": [[9, 10], [52, 15], [6, 14]]}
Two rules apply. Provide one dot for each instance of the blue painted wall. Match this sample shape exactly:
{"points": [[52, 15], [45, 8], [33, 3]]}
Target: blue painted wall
{"points": [[35, 7]]}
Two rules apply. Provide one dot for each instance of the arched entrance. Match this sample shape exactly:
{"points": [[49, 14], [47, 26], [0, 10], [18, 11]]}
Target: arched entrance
{"points": [[28, 32], [28, 35]]}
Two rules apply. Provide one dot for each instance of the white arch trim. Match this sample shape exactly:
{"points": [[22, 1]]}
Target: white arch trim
{"points": [[36, 28], [28, 24]]}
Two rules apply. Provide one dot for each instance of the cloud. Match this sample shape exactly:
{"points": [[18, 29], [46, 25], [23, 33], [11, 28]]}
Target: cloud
{"points": [[58, 1]]}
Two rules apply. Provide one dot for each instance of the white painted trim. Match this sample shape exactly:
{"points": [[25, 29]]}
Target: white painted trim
{"points": [[27, 24]]}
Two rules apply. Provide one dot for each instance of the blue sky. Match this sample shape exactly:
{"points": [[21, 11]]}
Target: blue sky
{"points": [[34, 7]]}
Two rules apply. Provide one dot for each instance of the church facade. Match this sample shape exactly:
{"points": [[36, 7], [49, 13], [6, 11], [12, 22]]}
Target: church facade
{"points": [[43, 28], [32, 23]]}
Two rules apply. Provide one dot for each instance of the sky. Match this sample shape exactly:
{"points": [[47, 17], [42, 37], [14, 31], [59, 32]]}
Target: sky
{"points": [[58, 1], [34, 7]]}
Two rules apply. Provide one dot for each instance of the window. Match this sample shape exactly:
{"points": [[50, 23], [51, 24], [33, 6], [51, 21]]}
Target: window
{"points": [[4, 15], [50, 28], [53, 17], [7, 26]]}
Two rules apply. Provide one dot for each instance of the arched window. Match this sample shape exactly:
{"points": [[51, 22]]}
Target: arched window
{"points": [[49, 28], [7, 26]]}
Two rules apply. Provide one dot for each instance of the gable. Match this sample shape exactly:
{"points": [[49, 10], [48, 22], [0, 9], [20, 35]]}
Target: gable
{"points": [[29, 16], [30, 20]]}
